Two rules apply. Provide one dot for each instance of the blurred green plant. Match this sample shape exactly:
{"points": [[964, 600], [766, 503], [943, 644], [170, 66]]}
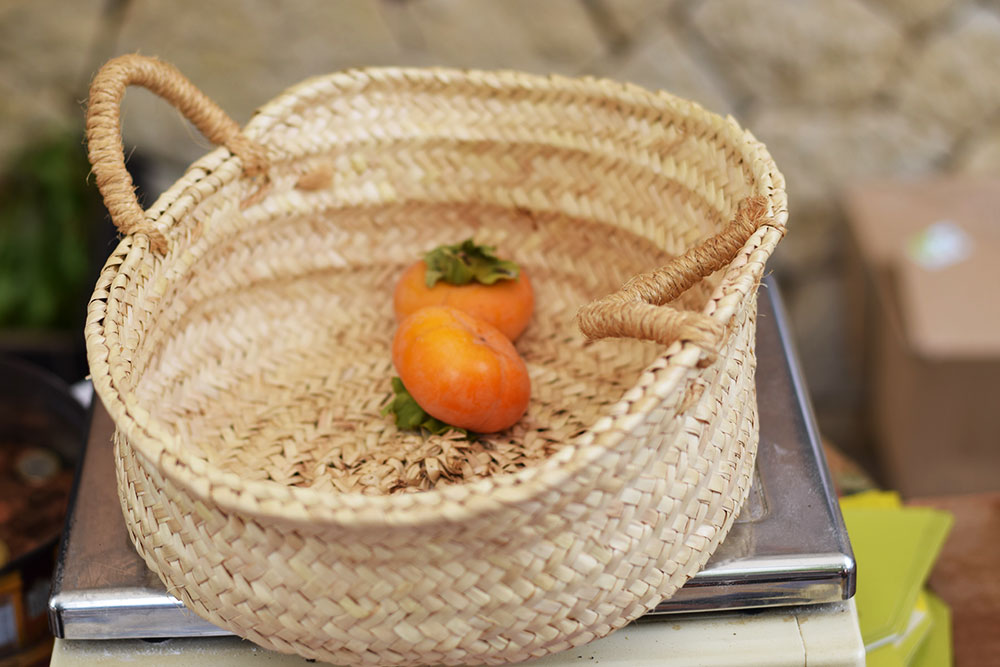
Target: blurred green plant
{"points": [[48, 216]]}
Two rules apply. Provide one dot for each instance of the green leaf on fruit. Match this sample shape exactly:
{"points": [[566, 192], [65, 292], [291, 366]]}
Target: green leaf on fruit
{"points": [[411, 417], [465, 262]]}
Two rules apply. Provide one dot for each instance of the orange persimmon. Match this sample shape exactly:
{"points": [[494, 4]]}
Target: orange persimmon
{"points": [[471, 278], [461, 370]]}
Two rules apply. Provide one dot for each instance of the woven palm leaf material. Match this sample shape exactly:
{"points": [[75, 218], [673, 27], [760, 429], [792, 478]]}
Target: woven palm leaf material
{"points": [[239, 336]]}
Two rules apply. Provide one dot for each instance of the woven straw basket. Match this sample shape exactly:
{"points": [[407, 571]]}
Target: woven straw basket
{"points": [[239, 336]]}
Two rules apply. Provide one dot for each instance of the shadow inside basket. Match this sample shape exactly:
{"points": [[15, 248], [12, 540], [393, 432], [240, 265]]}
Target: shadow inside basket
{"points": [[283, 374]]}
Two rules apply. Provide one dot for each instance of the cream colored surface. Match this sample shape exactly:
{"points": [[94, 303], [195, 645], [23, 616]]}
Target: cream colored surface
{"points": [[823, 636]]}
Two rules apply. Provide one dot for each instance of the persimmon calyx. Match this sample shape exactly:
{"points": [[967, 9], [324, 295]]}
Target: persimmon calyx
{"points": [[465, 262], [410, 416]]}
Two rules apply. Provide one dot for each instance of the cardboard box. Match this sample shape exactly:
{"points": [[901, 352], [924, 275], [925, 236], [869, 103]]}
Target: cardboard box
{"points": [[923, 283]]}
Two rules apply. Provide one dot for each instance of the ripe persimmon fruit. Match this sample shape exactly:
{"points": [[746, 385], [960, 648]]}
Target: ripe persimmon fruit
{"points": [[471, 278], [461, 370]]}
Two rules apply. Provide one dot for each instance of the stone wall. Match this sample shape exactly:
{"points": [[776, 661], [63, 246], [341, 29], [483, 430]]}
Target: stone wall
{"points": [[840, 90]]}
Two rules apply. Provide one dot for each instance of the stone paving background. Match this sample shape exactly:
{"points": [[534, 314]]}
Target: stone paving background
{"points": [[839, 90]]}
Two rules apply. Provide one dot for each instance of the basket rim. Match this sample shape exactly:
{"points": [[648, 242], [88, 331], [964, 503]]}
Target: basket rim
{"points": [[456, 502]]}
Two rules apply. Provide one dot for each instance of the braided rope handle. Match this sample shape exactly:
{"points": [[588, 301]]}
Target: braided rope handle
{"points": [[641, 308], [104, 142]]}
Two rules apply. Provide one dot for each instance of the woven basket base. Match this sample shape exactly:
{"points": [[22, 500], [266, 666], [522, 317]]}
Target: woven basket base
{"points": [[231, 604]]}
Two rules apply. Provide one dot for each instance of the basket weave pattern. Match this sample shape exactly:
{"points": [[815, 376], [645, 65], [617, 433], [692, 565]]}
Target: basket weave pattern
{"points": [[239, 337]]}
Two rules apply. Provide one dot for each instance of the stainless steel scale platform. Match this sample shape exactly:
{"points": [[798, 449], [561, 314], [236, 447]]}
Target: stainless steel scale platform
{"points": [[788, 547]]}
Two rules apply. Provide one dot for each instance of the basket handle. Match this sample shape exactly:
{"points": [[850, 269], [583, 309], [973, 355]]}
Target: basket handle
{"points": [[641, 309], [104, 142]]}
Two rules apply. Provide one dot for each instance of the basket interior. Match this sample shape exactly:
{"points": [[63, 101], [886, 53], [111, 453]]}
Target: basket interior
{"points": [[263, 338], [285, 378]]}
